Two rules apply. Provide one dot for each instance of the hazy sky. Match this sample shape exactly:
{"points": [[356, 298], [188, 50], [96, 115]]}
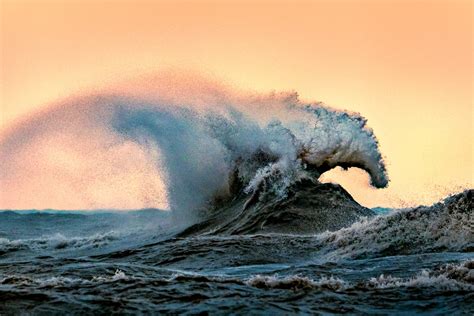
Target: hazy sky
{"points": [[405, 65]]}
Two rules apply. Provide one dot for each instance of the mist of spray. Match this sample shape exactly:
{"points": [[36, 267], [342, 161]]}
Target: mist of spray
{"points": [[182, 140]]}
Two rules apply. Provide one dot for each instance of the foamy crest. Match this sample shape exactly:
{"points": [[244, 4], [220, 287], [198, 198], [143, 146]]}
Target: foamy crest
{"points": [[295, 282], [57, 241], [445, 226], [451, 277]]}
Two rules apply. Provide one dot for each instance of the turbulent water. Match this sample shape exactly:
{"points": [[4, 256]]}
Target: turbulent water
{"points": [[249, 229], [414, 260]]}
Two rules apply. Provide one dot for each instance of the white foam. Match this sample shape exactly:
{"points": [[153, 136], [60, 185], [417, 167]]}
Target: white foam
{"points": [[118, 275], [296, 282], [58, 281], [57, 241], [451, 277]]}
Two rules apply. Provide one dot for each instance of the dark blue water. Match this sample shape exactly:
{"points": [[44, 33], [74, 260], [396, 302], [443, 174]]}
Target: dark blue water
{"points": [[403, 262]]}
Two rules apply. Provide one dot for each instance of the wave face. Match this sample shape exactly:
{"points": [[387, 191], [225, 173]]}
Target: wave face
{"points": [[204, 141], [309, 207]]}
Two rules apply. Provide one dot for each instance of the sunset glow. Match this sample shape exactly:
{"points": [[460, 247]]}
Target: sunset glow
{"points": [[404, 65]]}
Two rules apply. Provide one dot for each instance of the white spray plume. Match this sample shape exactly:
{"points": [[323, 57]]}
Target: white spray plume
{"points": [[195, 135]]}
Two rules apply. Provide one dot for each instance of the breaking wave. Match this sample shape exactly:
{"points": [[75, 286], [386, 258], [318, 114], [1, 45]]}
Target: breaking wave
{"points": [[204, 141], [445, 226], [451, 277], [328, 223], [250, 224]]}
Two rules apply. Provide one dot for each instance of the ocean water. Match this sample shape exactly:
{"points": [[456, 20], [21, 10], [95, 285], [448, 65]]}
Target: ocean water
{"points": [[407, 261], [251, 229]]}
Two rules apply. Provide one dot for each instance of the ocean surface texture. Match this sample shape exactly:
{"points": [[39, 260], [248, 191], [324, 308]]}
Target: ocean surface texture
{"points": [[255, 262]]}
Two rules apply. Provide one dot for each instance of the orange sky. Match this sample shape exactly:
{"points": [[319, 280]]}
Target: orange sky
{"points": [[405, 65]]}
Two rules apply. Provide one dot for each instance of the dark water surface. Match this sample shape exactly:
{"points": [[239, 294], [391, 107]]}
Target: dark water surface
{"points": [[403, 262]]}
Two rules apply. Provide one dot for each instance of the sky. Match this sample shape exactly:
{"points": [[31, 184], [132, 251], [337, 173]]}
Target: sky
{"points": [[404, 65]]}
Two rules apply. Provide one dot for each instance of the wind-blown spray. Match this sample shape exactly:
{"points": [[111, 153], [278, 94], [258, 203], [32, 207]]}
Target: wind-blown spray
{"points": [[199, 139]]}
